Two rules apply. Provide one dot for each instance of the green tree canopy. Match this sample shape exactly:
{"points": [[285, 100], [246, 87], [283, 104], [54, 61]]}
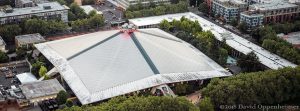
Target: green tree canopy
{"points": [[149, 103], [243, 27], [269, 87], [249, 62], [206, 104], [3, 57], [8, 32], [42, 71], [203, 8], [62, 97]]}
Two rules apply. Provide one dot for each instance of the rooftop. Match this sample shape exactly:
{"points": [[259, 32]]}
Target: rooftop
{"points": [[273, 5], [26, 77], [240, 44], [37, 9], [231, 3], [106, 64], [293, 38], [30, 38], [251, 13], [88, 8], [41, 88]]}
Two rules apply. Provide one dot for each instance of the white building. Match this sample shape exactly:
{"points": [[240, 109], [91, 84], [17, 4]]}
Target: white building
{"points": [[127, 3], [88, 8], [49, 10], [101, 65]]}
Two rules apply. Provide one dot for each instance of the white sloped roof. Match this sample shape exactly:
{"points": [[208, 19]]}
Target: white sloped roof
{"points": [[26, 77], [102, 65]]}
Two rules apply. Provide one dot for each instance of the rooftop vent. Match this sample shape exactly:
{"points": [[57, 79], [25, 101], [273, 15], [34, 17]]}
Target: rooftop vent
{"points": [[10, 10], [47, 7]]}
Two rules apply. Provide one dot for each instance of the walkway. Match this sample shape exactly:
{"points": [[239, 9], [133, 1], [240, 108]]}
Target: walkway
{"points": [[194, 97]]}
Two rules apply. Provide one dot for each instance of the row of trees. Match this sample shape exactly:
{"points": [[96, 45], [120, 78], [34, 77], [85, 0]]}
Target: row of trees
{"points": [[81, 22], [268, 38], [134, 103], [139, 10], [35, 25], [268, 87], [94, 21], [286, 27], [191, 32]]}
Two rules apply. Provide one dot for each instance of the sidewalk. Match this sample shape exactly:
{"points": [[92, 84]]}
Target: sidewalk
{"points": [[194, 97]]}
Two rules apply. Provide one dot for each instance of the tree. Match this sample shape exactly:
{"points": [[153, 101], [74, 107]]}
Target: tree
{"points": [[92, 13], [21, 52], [77, 11], [96, 21], [243, 27], [61, 97], [233, 22], [264, 87], [249, 62], [165, 25], [71, 16], [206, 104], [42, 71], [135, 103], [129, 14], [3, 57], [69, 103], [8, 32], [223, 54], [36, 67], [36, 26], [203, 8]]}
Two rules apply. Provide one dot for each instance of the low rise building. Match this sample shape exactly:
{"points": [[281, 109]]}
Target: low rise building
{"points": [[46, 11], [88, 8], [127, 3], [2, 45], [28, 40], [41, 90], [280, 11], [252, 18], [293, 38], [228, 9]]}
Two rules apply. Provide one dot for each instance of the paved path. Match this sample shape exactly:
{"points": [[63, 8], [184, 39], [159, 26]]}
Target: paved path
{"points": [[194, 97]]}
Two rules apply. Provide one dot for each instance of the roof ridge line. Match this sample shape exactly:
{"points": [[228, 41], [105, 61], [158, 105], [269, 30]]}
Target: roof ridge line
{"points": [[160, 36], [144, 54], [92, 46]]}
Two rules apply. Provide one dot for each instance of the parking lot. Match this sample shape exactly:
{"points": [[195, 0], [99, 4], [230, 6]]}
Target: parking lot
{"points": [[110, 12], [8, 74]]}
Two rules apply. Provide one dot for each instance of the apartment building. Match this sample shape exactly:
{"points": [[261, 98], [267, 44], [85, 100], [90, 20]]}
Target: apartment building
{"points": [[252, 18], [47, 10], [274, 12], [228, 9], [127, 3]]}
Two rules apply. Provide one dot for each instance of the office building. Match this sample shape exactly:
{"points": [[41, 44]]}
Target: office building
{"points": [[46, 11], [252, 18], [227, 10]]}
